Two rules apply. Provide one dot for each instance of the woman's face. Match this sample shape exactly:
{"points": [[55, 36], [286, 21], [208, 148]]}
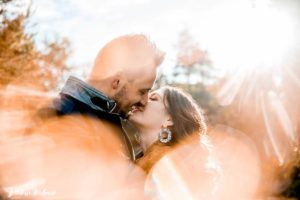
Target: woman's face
{"points": [[154, 114]]}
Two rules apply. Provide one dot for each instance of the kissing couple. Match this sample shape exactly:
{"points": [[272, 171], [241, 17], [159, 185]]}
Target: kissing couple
{"points": [[101, 138]]}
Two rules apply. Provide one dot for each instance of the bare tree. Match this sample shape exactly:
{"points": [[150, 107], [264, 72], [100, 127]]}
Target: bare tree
{"points": [[21, 62], [192, 60]]}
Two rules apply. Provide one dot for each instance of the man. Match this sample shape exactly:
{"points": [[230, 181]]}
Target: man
{"points": [[123, 73], [79, 150]]}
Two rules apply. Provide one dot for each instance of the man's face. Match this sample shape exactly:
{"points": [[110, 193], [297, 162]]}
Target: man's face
{"points": [[134, 94]]}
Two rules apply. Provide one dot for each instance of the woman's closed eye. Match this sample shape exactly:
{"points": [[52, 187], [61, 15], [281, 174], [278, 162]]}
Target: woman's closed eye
{"points": [[153, 97]]}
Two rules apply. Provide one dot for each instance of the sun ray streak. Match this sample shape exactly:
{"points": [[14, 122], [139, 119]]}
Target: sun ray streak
{"points": [[270, 132], [293, 76], [283, 117], [231, 88], [182, 192]]}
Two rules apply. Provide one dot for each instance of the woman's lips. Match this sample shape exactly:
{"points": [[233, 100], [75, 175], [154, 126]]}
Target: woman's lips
{"points": [[134, 110]]}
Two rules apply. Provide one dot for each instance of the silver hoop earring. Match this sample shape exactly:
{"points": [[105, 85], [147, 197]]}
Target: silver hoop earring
{"points": [[165, 135]]}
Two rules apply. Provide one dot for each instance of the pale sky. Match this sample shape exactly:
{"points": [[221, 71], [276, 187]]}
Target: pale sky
{"points": [[225, 28]]}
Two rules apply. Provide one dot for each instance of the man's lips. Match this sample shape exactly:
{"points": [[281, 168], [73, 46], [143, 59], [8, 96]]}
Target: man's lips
{"points": [[135, 109]]}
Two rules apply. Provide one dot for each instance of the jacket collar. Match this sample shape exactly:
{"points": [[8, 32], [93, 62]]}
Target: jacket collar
{"points": [[88, 95]]}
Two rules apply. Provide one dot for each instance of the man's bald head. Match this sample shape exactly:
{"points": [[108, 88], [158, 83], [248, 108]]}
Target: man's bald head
{"points": [[125, 70], [129, 54]]}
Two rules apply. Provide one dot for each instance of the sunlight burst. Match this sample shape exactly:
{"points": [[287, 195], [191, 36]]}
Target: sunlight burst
{"points": [[256, 38]]}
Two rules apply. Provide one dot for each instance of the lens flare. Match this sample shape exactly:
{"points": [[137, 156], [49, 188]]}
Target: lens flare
{"points": [[73, 157], [228, 168]]}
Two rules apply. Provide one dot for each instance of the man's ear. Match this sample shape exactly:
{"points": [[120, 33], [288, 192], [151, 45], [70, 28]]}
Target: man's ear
{"points": [[115, 84], [168, 122]]}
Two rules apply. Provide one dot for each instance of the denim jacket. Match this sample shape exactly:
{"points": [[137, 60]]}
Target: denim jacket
{"points": [[79, 97]]}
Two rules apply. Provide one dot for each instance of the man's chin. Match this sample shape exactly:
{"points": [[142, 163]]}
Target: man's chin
{"points": [[123, 114]]}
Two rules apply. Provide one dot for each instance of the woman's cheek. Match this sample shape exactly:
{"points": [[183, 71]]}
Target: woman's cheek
{"points": [[138, 118]]}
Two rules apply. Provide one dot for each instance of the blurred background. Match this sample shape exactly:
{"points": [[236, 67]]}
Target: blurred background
{"points": [[240, 60]]}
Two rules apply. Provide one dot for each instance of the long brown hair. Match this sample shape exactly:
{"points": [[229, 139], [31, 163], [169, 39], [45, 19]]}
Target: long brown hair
{"points": [[187, 116], [188, 123]]}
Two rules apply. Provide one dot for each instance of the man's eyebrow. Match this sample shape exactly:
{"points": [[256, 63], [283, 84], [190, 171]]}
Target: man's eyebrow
{"points": [[146, 89], [152, 89]]}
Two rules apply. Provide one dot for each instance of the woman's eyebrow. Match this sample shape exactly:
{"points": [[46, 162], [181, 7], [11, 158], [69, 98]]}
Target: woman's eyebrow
{"points": [[155, 94]]}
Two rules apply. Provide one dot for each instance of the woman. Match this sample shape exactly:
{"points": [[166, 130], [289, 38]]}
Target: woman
{"points": [[171, 116], [173, 135]]}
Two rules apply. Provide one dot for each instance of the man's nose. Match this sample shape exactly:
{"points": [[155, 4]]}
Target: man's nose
{"points": [[144, 100]]}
